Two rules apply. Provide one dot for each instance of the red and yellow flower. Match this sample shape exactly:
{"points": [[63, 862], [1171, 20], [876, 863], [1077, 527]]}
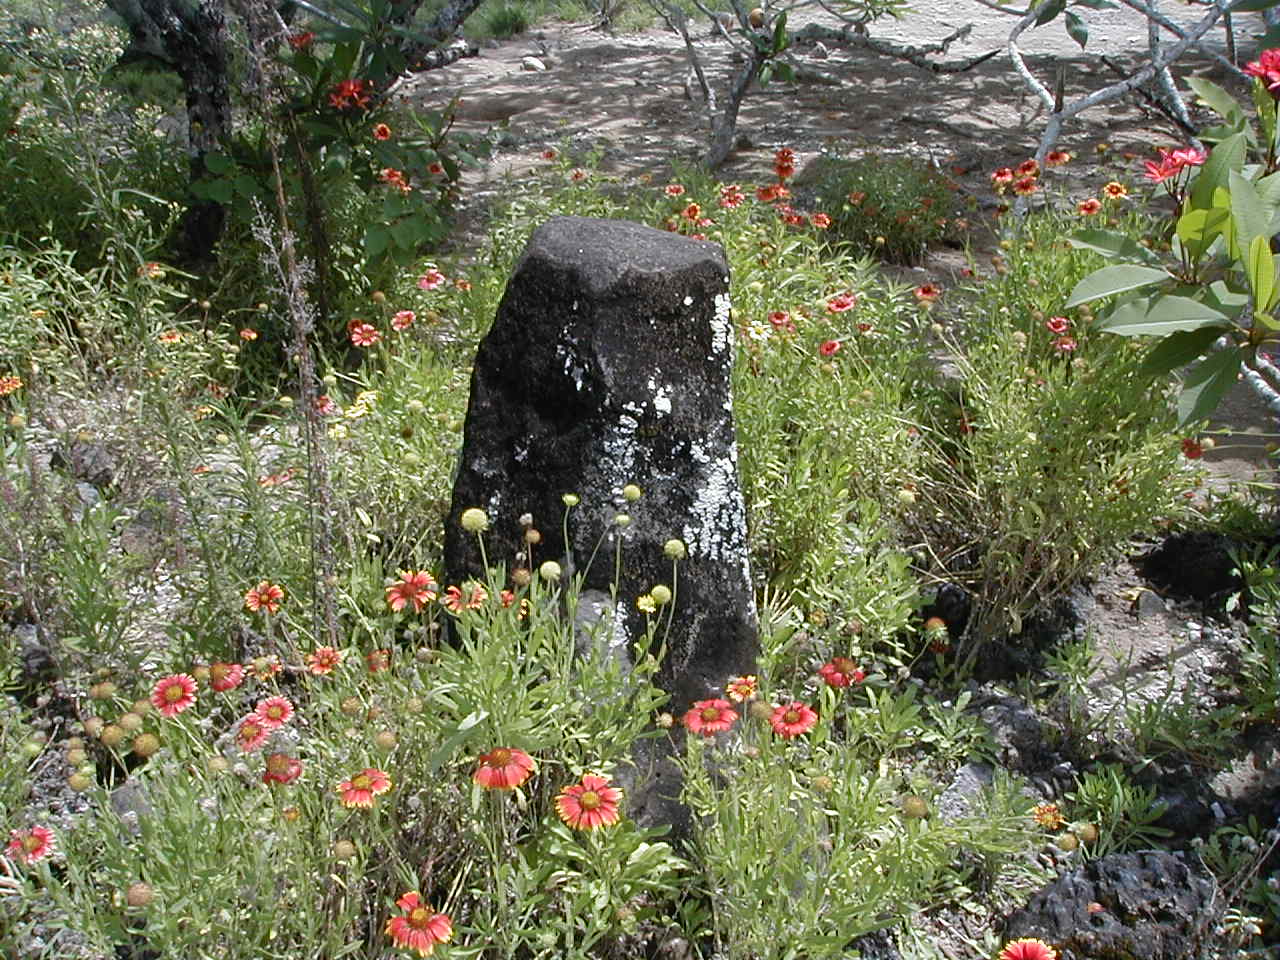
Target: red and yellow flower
{"points": [[590, 803], [173, 694], [790, 720], [361, 789], [709, 717], [419, 928], [503, 769]]}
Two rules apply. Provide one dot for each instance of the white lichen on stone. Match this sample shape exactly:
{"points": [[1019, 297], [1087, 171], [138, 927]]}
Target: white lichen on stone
{"points": [[661, 398], [720, 329], [572, 368], [716, 530]]}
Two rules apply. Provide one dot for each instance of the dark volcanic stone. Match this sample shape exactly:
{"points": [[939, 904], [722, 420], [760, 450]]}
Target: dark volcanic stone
{"points": [[609, 364], [1195, 566], [1149, 905]]}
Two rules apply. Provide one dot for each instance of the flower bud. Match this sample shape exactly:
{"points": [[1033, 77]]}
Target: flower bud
{"points": [[674, 549], [631, 493], [385, 740], [79, 782], [146, 744], [550, 570], [344, 850], [661, 594], [570, 499], [130, 722], [474, 520], [622, 520], [139, 895]]}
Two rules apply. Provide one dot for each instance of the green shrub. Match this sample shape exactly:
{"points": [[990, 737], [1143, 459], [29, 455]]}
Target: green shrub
{"points": [[892, 208], [1051, 449]]}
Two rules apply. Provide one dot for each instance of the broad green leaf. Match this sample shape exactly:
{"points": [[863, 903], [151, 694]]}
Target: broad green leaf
{"points": [[1113, 245], [1077, 29], [1099, 4], [1048, 10], [1252, 6], [1160, 315], [1197, 229], [1221, 297], [1217, 99], [218, 163], [376, 239], [1261, 270], [1111, 280], [1248, 218], [1178, 349], [1267, 320], [1207, 384], [1265, 106], [1269, 39], [1225, 157]]}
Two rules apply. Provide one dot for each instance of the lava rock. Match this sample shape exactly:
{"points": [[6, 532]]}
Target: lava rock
{"points": [[85, 460], [1150, 904], [1197, 566], [609, 364], [1015, 730]]}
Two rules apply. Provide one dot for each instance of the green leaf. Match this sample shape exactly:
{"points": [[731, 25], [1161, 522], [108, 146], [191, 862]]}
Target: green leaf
{"points": [[1077, 29], [1178, 349], [1048, 10], [376, 239], [1252, 6], [1217, 99], [1248, 218], [1225, 157], [1113, 245], [1096, 4], [1261, 269], [1198, 229], [1207, 384], [1269, 39], [407, 233], [218, 163], [1159, 315], [1112, 280], [466, 730]]}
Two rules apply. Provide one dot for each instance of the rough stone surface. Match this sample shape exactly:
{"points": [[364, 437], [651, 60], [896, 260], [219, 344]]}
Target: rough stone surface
{"points": [[1197, 565], [1016, 731], [957, 801], [1151, 905], [609, 364]]}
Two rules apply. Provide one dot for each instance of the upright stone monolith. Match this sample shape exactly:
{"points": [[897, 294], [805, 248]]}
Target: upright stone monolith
{"points": [[609, 364]]}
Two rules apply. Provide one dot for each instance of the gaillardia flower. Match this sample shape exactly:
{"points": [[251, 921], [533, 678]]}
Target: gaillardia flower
{"points": [[173, 694], [30, 846], [503, 769], [792, 719], [591, 803], [420, 928], [1028, 948], [360, 790], [709, 717]]}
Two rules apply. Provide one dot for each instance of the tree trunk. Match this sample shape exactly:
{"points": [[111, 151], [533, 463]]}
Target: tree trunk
{"points": [[191, 37]]}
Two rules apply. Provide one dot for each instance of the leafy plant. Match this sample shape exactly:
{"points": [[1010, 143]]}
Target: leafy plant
{"points": [[1124, 813], [893, 208], [1214, 301]]}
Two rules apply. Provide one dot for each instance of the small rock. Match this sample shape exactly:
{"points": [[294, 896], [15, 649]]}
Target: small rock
{"points": [[956, 801], [1153, 905], [532, 65], [1150, 604]]}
